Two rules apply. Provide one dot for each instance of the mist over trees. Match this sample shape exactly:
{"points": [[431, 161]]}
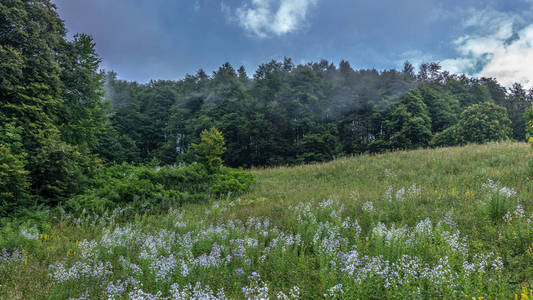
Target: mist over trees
{"points": [[289, 114]]}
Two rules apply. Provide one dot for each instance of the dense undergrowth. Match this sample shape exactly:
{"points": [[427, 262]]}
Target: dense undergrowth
{"points": [[149, 189], [444, 223]]}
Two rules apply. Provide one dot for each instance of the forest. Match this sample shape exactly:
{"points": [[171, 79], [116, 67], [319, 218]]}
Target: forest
{"points": [[287, 114]]}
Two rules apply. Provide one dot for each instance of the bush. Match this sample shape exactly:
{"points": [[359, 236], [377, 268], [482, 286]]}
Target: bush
{"points": [[230, 181], [155, 188], [152, 188]]}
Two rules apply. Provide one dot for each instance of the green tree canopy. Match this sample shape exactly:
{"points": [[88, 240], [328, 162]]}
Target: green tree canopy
{"points": [[479, 123], [410, 123], [210, 149]]}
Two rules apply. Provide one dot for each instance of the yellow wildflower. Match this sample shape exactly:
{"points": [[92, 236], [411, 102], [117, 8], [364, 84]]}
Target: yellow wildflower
{"points": [[524, 294]]}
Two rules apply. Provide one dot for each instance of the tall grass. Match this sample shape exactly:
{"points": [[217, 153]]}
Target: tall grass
{"points": [[444, 223]]}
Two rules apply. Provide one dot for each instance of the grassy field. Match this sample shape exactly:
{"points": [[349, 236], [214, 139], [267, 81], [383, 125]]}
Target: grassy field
{"points": [[447, 223]]}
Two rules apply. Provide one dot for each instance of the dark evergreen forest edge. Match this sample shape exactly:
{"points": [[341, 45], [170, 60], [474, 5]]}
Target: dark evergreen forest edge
{"points": [[75, 136]]}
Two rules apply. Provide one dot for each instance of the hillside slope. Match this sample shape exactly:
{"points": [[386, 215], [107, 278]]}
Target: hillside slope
{"points": [[444, 169], [444, 223]]}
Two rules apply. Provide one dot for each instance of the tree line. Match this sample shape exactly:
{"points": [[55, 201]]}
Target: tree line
{"points": [[289, 114]]}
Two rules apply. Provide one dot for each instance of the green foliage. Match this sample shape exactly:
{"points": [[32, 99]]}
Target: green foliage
{"points": [[322, 145], [528, 121], [82, 116], [485, 122], [139, 186], [150, 189], [443, 107], [410, 123], [479, 123], [14, 184], [114, 147], [14, 180], [516, 103], [210, 149], [528, 118], [230, 181], [52, 99], [59, 170], [32, 32], [289, 114], [448, 137]]}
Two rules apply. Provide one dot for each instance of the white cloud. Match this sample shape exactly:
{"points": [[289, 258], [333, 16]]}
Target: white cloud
{"points": [[264, 18], [415, 57], [500, 47], [514, 62], [458, 65]]}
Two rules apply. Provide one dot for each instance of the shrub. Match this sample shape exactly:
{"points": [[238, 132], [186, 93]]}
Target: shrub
{"points": [[148, 188], [154, 188], [228, 180]]}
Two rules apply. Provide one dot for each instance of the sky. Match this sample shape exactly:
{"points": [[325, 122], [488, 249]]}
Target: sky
{"points": [[167, 39]]}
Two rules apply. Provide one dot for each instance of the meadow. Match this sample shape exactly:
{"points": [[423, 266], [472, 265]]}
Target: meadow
{"points": [[447, 223]]}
